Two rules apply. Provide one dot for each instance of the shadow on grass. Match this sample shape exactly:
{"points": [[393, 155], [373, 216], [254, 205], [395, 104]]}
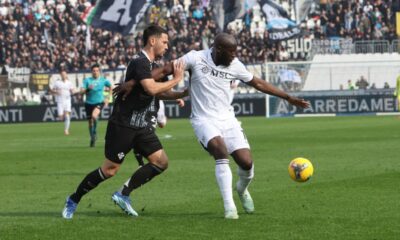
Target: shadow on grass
{"points": [[118, 214], [58, 214]]}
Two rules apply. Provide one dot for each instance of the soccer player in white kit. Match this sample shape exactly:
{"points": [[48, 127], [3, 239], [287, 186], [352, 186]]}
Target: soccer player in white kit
{"points": [[63, 89], [213, 118]]}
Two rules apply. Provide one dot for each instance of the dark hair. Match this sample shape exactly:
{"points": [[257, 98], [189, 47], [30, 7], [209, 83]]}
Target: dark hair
{"points": [[153, 30], [96, 65]]}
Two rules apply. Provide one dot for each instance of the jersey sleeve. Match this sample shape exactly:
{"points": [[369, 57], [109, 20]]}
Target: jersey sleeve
{"points": [[138, 69], [189, 59], [241, 72], [53, 86]]}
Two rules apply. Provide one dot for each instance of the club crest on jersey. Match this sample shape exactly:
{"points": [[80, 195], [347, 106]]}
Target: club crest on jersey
{"points": [[205, 70]]}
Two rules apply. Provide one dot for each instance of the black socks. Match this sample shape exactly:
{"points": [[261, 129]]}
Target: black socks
{"points": [[141, 177], [88, 183]]}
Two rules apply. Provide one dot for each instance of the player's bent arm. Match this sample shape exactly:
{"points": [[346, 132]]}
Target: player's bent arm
{"points": [[153, 88], [172, 95], [270, 89], [161, 72]]}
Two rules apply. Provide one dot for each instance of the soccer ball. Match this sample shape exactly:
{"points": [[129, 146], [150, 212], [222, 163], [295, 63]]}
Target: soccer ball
{"points": [[300, 169]]}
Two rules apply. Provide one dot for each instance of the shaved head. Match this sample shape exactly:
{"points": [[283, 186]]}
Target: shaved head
{"points": [[225, 40], [224, 50]]}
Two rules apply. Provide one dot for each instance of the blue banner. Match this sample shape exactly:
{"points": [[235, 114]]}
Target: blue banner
{"points": [[48, 113], [339, 105]]}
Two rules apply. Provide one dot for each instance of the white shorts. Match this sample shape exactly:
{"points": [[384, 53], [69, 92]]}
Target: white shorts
{"points": [[161, 118], [230, 131], [63, 106]]}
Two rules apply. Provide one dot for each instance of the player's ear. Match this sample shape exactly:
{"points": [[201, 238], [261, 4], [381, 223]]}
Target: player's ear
{"points": [[152, 40]]}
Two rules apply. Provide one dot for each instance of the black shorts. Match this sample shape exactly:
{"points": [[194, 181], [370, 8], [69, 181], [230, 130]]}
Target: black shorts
{"points": [[121, 140], [90, 107]]}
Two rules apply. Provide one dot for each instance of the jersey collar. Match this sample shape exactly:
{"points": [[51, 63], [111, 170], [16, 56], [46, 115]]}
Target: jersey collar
{"points": [[145, 53], [209, 57]]}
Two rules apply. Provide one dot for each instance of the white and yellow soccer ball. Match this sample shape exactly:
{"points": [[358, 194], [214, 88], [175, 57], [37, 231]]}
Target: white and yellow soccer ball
{"points": [[300, 169]]}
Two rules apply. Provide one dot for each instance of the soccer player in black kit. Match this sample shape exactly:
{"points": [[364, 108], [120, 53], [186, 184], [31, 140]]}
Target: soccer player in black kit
{"points": [[132, 124]]}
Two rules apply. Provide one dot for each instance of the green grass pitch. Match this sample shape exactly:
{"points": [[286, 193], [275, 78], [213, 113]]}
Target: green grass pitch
{"points": [[354, 193]]}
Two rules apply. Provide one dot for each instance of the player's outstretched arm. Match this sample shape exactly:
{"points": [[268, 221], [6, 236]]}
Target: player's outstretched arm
{"points": [[270, 89], [153, 88]]}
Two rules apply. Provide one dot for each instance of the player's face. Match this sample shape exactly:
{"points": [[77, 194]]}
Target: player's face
{"points": [[64, 75], [161, 45], [225, 55], [96, 72]]}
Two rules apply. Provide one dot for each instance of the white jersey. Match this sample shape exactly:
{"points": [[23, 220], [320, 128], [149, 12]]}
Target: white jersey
{"points": [[63, 90], [210, 85]]}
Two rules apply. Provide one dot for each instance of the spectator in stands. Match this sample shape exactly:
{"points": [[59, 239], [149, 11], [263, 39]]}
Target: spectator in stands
{"points": [[362, 83], [350, 85], [53, 33], [397, 92], [386, 85]]}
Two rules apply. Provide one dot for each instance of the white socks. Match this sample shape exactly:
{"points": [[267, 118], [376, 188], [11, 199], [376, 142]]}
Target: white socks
{"points": [[245, 177], [223, 174], [67, 122]]}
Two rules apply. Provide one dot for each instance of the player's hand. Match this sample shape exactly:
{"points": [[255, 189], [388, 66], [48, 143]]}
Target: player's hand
{"points": [[298, 102], [179, 69], [180, 102], [123, 89]]}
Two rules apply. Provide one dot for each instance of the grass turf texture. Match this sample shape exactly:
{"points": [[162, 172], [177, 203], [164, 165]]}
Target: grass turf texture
{"points": [[353, 194]]}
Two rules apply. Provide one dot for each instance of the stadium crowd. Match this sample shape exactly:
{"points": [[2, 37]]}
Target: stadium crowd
{"points": [[45, 35]]}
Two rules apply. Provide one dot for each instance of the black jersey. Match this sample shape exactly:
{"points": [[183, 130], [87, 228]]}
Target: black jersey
{"points": [[139, 109]]}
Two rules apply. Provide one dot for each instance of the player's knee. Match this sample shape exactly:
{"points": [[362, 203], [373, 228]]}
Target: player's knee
{"points": [[109, 171], [220, 154], [159, 159], [161, 163], [247, 164]]}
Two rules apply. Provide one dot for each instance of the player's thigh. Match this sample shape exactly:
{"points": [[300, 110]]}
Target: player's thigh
{"points": [[89, 109], [205, 130], [118, 142], [148, 144], [67, 107], [234, 136], [60, 109], [97, 110]]}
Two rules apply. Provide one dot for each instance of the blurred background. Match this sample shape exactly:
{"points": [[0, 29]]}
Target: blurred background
{"points": [[323, 49]]}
